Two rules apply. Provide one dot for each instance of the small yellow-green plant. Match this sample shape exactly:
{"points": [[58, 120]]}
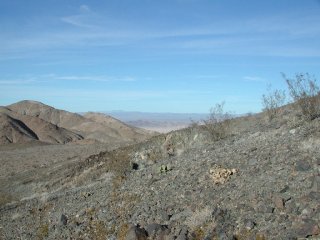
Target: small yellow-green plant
{"points": [[164, 168]]}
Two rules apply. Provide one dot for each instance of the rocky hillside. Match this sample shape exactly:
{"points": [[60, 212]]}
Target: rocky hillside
{"points": [[18, 128], [58, 126], [14, 131], [261, 181]]}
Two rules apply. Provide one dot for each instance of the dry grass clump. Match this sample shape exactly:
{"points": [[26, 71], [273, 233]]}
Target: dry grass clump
{"points": [[122, 232], [5, 198], [198, 234], [43, 231], [245, 234], [98, 230]]}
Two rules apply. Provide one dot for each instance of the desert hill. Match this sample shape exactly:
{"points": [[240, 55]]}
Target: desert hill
{"points": [[14, 131], [42, 119], [18, 128], [124, 129], [261, 180], [58, 117]]}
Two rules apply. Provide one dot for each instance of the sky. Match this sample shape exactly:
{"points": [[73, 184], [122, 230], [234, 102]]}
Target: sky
{"points": [[180, 56]]}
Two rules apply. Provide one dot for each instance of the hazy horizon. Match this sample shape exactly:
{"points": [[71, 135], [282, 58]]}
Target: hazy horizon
{"points": [[177, 56]]}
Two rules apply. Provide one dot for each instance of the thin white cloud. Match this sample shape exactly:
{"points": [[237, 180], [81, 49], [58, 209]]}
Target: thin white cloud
{"points": [[17, 81], [27, 80], [83, 19], [96, 78], [37, 92], [76, 21], [85, 8], [254, 79], [207, 77]]}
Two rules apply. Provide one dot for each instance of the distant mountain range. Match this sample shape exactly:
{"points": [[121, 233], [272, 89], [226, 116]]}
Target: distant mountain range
{"points": [[160, 122]]}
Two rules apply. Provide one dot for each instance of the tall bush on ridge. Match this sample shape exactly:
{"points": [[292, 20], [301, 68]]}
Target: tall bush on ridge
{"points": [[304, 90]]}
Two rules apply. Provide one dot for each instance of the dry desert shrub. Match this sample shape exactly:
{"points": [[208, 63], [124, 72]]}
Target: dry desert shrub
{"points": [[98, 230], [123, 231], [304, 90], [218, 123], [272, 101], [43, 231]]}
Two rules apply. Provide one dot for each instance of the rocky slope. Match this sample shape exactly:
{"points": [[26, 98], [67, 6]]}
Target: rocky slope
{"points": [[262, 181]]}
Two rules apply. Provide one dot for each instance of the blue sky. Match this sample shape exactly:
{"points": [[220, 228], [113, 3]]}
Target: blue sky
{"points": [[154, 56]]}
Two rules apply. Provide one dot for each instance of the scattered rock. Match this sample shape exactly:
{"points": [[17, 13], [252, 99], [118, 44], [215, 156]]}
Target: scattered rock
{"points": [[183, 233], [263, 208], [285, 189], [278, 202], [155, 228], [249, 224], [308, 228], [136, 233], [315, 185], [292, 131], [314, 196], [63, 219], [302, 166], [253, 162]]}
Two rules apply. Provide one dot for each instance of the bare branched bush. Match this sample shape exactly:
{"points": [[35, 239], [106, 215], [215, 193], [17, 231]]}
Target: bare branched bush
{"points": [[272, 101], [193, 124], [218, 123], [304, 90]]}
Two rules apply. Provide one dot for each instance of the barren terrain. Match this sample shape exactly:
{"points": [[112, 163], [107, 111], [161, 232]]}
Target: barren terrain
{"points": [[261, 181]]}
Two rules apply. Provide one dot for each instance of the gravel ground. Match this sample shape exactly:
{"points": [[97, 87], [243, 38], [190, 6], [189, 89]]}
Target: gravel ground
{"points": [[260, 182]]}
